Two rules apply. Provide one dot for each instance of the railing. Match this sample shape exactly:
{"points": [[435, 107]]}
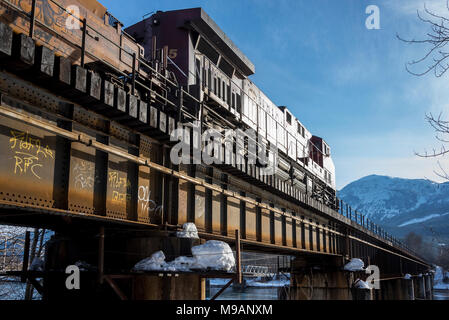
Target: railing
{"points": [[360, 219]]}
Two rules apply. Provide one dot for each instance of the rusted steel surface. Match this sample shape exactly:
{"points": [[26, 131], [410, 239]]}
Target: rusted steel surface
{"points": [[28, 160], [52, 30], [102, 152], [82, 179]]}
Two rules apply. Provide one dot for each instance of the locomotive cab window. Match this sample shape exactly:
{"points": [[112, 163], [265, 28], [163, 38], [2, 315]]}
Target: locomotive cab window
{"points": [[289, 118], [301, 130]]}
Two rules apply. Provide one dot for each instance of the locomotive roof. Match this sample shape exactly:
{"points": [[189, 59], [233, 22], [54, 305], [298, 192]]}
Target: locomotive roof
{"points": [[198, 19]]}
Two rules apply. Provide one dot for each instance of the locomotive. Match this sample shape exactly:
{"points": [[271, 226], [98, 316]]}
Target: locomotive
{"points": [[215, 71], [172, 68]]}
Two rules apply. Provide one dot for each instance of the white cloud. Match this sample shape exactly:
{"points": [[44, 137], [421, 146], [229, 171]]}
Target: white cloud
{"points": [[408, 7]]}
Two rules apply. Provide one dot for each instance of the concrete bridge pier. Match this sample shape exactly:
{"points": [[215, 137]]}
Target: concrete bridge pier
{"points": [[396, 289], [391, 289], [327, 285], [363, 294], [420, 288], [316, 279], [428, 282], [408, 289]]}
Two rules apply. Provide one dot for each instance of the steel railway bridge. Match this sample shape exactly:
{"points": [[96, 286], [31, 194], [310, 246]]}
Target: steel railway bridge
{"points": [[84, 156]]}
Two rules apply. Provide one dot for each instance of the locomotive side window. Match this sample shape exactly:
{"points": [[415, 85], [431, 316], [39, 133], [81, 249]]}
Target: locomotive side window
{"points": [[239, 103], [301, 130], [289, 118]]}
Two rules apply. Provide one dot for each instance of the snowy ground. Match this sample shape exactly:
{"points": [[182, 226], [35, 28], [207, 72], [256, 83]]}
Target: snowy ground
{"points": [[438, 283]]}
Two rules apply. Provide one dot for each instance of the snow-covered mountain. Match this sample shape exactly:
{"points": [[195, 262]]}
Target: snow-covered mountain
{"points": [[402, 205]]}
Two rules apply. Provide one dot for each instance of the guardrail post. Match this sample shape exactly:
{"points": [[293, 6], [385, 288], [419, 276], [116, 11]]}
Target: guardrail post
{"points": [[133, 80], [153, 48], [26, 256], [32, 18], [237, 253], [101, 256], [164, 57], [83, 42]]}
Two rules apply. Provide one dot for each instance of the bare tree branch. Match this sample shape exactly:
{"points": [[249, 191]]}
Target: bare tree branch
{"points": [[435, 59]]}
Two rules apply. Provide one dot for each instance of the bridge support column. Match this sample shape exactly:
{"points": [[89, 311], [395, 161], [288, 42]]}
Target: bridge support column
{"points": [[390, 289], [428, 283], [407, 288], [420, 288], [121, 253], [326, 282], [363, 294], [181, 287]]}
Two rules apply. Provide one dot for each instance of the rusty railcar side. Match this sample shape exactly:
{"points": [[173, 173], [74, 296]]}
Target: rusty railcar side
{"points": [[62, 32]]}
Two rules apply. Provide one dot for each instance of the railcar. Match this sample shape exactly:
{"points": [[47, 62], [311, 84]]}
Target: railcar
{"points": [[175, 56], [212, 67]]}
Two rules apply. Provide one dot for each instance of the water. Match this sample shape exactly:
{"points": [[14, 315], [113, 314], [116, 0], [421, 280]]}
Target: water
{"points": [[255, 293], [249, 293], [441, 295]]}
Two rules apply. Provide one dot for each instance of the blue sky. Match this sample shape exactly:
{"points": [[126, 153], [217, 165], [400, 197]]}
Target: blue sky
{"points": [[346, 83]]}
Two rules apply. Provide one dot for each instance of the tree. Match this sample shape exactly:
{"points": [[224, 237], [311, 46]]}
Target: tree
{"points": [[12, 250], [414, 241], [436, 60], [437, 39]]}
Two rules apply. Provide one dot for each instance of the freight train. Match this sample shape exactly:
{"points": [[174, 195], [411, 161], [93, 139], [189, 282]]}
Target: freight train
{"points": [[213, 69], [172, 68]]}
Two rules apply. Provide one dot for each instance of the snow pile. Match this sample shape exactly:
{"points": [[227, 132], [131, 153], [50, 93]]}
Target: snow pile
{"points": [[213, 255], [188, 231], [407, 277], [360, 284], [440, 276], [154, 263], [37, 264], [354, 265], [181, 264]]}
